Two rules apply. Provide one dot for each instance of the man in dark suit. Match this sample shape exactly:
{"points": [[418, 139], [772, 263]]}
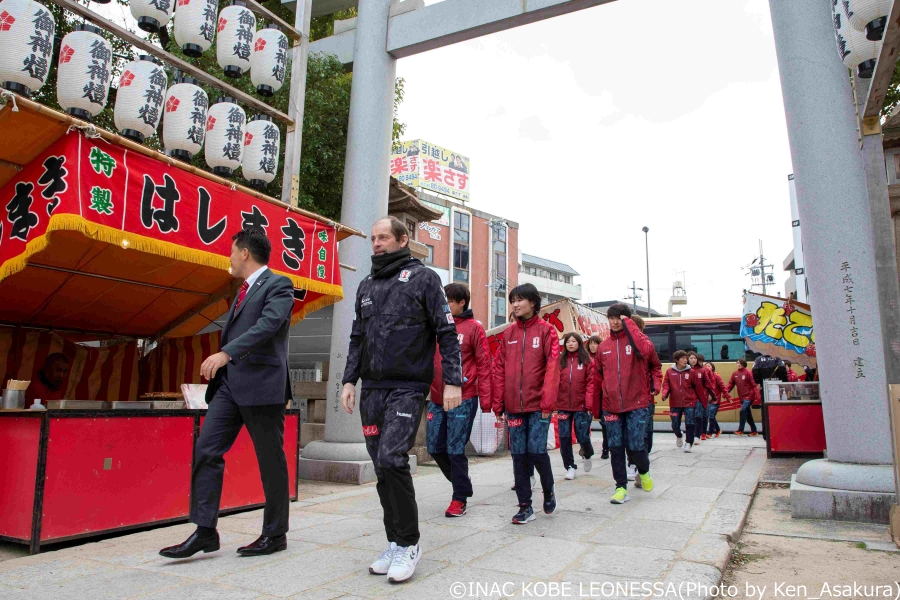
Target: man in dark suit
{"points": [[249, 385]]}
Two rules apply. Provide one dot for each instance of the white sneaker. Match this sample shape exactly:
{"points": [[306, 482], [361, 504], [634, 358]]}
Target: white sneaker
{"points": [[632, 472], [696, 441], [570, 473], [679, 442], [687, 447], [404, 563], [383, 563], [588, 465]]}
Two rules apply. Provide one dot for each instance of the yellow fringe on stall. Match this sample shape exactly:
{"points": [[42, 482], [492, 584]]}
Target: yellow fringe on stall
{"points": [[103, 233]]}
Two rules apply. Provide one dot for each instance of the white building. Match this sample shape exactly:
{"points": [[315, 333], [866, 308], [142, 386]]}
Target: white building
{"points": [[553, 280]]}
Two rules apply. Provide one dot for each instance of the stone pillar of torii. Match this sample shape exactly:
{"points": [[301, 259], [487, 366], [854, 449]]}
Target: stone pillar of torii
{"points": [[384, 32]]}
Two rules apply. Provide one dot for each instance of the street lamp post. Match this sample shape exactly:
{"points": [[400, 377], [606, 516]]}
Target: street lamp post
{"points": [[647, 254]]}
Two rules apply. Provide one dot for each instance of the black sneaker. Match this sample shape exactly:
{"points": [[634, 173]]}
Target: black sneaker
{"points": [[605, 455], [525, 515], [550, 502]]}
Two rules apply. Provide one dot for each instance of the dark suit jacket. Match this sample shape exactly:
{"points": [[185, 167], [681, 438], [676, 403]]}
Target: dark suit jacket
{"points": [[256, 338]]}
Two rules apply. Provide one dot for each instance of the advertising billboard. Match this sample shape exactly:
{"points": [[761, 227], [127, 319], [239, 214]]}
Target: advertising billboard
{"points": [[421, 164]]}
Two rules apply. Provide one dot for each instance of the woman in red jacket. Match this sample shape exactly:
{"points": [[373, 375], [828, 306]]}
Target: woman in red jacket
{"points": [[679, 387], [704, 393], [573, 402], [525, 383], [714, 430]]}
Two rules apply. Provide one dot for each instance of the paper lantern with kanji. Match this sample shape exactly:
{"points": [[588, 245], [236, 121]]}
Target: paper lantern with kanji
{"points": [[184, 119], [26, 39], [236, 28], [139, 99], [225, 128], [195, 25], [84, 71], [855, 50], [868, 15], [152, 15], [262, 145], [268, 63]]}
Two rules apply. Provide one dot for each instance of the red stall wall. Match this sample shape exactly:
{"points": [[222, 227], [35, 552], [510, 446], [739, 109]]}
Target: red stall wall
{"points": [[106, 473], [20, 440]]}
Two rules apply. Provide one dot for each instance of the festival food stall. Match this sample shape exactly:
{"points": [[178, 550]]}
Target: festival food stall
{"points": [[105, 241], [792, 412]]}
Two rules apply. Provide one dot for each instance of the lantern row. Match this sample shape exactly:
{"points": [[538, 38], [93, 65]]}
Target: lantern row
{"points": [[857, 48], [26, 44], [144, 98]]}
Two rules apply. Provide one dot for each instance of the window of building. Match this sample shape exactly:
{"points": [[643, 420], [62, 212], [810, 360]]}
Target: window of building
{"points": [[429, 260], [461, 241], [411, 225], [500, 266]]}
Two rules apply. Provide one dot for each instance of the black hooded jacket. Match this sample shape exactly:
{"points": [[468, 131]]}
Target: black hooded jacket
{"points": [[400, 311]]}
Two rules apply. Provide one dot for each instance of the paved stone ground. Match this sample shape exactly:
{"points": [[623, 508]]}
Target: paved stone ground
{"points": [[679, 533]]}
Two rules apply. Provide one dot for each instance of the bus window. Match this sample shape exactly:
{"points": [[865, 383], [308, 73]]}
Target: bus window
{"points": [[727, 346], [661, 342]]}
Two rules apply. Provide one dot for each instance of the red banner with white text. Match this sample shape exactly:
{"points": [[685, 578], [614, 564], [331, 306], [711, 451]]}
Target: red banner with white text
{"points": [[121, 197]]}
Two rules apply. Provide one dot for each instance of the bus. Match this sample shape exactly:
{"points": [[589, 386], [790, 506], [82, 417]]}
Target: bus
{"points": [[719, 340]]}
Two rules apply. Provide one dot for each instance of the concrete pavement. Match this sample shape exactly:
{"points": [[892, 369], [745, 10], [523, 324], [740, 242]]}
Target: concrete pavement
{"points": [[679, 533]]}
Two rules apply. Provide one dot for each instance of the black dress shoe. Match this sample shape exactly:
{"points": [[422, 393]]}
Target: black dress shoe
{"points": [[194, 544], [264, 545]]}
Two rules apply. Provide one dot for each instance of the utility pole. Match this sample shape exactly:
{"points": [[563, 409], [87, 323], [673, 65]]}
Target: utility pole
{"points": [[757, 268], [634, 297], [647, 255]]}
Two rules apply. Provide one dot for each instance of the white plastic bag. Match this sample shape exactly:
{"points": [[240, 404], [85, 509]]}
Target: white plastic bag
{"points": [[486, 436]]}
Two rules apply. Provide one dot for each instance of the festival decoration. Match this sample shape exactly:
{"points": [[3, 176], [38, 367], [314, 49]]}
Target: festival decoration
{"points": [[225, 127], [262, 145], [152, 15], [139, 99], [236, 28], [268, 62], [184, 122], [84, 69], [855, 50], [779, 328], [869, 16], [195, 26], [26, 35]]}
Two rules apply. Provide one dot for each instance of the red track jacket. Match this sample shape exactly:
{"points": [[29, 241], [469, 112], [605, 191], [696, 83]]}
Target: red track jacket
{"points": [[476, 363], [621, 370], [525, 372], [576, 385], [681, 387], [746, 387]]}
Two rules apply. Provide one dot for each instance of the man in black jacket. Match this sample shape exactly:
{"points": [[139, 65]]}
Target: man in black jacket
{"points": [[400, 310]]}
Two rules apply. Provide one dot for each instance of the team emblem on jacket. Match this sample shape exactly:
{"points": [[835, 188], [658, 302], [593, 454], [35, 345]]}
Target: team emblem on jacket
{"points": [[580, 367], [686, 376], [460, 337], [628, 349], [536, 342], [449, 316], [404, 275], [370, 430]]}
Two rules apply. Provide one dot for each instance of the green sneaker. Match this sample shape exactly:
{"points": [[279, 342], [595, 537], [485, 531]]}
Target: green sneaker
{"points": [[646, 481], [620, 497]]}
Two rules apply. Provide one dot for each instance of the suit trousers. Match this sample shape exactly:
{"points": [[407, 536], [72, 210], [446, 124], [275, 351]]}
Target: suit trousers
{"points": [[222, 424]]}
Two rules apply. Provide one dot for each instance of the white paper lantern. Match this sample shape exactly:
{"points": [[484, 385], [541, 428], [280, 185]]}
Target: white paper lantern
{"points": [[225, 128], [195, 25], [855, 50], [268, 63], [26, 38], [236, 28], [139, 99], [82, 79], [184, 121], [262, 145], [151, 15], [868, 15]]}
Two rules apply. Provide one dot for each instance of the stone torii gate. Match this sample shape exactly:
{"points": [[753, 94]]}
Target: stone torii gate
{"points": [[385, 31]]}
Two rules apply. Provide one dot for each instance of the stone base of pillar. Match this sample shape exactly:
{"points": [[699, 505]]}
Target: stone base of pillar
{"points": [[343, 471], [824, 489]]}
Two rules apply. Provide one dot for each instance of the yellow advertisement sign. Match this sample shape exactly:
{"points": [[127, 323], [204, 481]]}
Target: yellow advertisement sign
{"points": [[421, 164]]}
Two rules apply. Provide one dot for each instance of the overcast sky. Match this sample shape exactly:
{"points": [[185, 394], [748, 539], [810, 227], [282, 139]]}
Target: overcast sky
{"points": [[586, 127]]}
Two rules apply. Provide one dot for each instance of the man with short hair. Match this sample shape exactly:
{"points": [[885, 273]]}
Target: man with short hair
{"points": [[748, 392], [450, 423], [249, 386], [400, 311], [50, 380], [622, 376]]}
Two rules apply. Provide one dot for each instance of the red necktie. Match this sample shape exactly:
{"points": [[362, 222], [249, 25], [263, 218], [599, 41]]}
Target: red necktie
{"points": [[244, 288]]}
